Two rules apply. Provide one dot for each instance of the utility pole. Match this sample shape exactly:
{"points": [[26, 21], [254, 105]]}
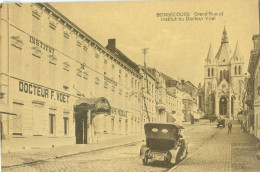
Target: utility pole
{"points": [[145, 50]]}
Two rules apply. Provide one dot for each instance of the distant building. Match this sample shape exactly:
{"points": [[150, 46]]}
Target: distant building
{"points": [[190, 97], [224, 80], [161, 94], [174, 99], [201, 97], [252, 96]]}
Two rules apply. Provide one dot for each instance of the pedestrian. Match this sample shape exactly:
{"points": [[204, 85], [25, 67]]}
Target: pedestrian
{"points": [[229, 127], [244, 127]]}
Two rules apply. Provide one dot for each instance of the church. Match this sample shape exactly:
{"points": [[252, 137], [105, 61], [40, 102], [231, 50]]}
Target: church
{"points": [[223, 80]]}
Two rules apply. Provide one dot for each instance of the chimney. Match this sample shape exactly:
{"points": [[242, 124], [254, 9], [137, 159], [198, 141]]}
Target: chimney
{"points": [[112, 43]]}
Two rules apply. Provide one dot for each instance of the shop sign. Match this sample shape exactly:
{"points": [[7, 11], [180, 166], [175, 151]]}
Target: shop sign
{"points": [[44, 92]]}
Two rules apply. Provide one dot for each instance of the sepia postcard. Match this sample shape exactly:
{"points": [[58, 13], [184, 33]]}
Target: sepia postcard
{"points": [[130, 86]]}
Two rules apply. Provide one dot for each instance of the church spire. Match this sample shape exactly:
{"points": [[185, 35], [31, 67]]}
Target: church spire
{"points": [[210, 53], [237, 56], [224, 36], [209, 58]]}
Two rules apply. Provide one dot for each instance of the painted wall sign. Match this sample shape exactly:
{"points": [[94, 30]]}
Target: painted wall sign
{"points": [[41, 44], [44, 92]]}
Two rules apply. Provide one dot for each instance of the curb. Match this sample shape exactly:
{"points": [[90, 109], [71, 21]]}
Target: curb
{"points": [[68, 155]]}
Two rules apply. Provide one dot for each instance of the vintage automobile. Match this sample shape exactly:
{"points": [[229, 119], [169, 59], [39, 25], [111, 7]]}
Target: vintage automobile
{"points": [[221, 123], [164, 143]]}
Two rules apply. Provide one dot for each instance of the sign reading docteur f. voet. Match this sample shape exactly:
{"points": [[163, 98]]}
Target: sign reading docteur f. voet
{"points": [[44, 92]]}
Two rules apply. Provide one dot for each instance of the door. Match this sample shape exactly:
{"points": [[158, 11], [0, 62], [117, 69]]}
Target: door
{"points": [[81, 127], [223, 106]]}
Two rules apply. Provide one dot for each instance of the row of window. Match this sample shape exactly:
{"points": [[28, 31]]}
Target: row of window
{"points": [[237, 71], [134, 125], [39, 121], [36, 30], [52, 125]]}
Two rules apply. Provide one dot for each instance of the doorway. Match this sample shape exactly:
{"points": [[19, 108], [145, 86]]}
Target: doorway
{"points": [[81, 124], [223, 106]]}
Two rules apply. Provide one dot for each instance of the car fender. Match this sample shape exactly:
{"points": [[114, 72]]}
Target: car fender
{"points": [[143, 149], [174, 153]]}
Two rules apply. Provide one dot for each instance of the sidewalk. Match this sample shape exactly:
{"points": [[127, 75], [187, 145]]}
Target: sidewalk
{"points": [[244, 150], [38, 155]]}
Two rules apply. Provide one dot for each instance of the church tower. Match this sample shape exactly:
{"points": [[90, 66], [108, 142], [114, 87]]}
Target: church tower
{"points": [[223, 80]]}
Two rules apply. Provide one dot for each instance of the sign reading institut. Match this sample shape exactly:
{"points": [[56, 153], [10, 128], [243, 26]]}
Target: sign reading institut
{"points": [[44, 92], [41, 44]]}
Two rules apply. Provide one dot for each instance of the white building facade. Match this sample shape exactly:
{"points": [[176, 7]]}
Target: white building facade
{"points": [[60, 86]]}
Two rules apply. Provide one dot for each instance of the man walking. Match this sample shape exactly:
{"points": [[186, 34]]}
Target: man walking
{"points": [[229, 127]]}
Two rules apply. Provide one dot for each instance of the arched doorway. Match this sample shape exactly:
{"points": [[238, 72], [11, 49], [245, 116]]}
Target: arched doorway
{"points": [[85, 109], [223, 105]]}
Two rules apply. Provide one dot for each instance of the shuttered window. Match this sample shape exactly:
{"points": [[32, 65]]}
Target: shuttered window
{"points": [[52, 124], [38, 119], [17, 119], [66, 125]]}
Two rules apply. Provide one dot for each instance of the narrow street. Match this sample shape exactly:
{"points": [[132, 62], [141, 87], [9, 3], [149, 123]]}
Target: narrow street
{"points": [[210, 149], [234, 151], [124, 158]]}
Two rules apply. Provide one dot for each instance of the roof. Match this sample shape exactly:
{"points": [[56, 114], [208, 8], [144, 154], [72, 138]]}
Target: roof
{"points": [[163, 124], [170, 82], [149, 73], [191, 84], [125, 61], [123, 57], [224, 51]]}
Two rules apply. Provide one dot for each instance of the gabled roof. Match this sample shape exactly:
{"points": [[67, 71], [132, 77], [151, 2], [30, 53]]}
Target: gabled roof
{"points": [[190, 83]]}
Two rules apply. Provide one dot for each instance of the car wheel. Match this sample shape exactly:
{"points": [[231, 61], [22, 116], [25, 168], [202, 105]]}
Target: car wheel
{"points": [[169, 164], [145, 160], [186, 153], [178, 157]]}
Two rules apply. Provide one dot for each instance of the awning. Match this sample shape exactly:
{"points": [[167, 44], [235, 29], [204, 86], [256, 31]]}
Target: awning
{"points": [[100, 104], [4, 109]]}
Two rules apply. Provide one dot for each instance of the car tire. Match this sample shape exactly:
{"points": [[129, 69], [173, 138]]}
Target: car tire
{"points": [[169, 164], [178, 157], [145, 160], [186, 153]]}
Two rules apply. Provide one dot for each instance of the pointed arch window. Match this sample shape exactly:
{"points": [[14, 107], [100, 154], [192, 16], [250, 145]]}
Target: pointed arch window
{"points": [[208, 72], [224, 74], [235, 70], [239, 70], [212, 71], [220, 75], [227, 76]]}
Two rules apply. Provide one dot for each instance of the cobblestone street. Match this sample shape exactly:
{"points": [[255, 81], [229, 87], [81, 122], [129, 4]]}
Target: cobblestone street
{"points": [[124, 158], [210, 149], [224, 152]]}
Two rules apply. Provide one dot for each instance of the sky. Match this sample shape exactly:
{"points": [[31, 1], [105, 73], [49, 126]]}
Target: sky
{"points": [[176, 48]]}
